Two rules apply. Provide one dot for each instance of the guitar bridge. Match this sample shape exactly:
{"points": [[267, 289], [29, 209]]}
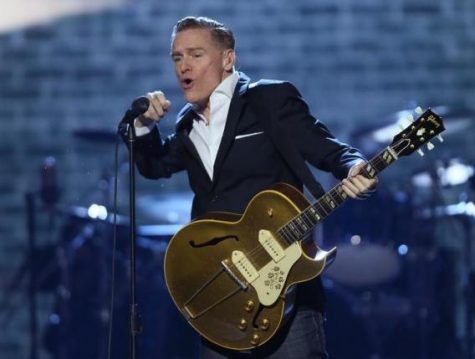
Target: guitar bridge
{"points": [[228, 270]]}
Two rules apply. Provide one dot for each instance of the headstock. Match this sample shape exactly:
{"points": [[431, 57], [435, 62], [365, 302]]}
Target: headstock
{"points": [[427, 126]]}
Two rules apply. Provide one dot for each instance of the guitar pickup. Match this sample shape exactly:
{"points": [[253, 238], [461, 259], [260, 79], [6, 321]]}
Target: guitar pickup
{"points": [[244, 265], [270, 244]]}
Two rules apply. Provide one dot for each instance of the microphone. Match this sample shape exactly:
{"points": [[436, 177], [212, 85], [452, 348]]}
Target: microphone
{"points": [[138, 107]]}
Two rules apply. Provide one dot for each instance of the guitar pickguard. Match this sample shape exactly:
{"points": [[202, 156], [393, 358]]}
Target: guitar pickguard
{"points": [[269, 280], [273, 275]]}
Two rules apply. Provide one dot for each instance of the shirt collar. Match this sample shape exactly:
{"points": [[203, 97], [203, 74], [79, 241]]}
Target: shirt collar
{"points": [[226, 87]]}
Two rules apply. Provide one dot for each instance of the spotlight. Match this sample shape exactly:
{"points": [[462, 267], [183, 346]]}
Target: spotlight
{"points": [[355, 240], [403, 249], [97, 211]]}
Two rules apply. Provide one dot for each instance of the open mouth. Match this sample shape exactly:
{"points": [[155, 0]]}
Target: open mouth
{"points": [[186, 83]]}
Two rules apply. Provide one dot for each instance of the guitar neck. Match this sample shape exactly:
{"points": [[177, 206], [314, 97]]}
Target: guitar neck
{"points": [[301, 226]]}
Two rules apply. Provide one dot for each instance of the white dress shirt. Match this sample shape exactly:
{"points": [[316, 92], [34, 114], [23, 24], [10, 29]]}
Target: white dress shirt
{"points": [[206, 134]]}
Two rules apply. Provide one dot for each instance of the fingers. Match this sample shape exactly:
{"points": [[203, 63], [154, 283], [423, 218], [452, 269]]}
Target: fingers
{"points": [[350, 188], [356, 168], [358, 186], [159, 105]]}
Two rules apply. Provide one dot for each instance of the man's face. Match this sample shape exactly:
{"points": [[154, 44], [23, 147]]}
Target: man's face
{"points": [[200, 64]]}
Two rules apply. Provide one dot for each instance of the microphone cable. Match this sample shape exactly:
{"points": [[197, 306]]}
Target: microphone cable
{"points": [[114, 249]]}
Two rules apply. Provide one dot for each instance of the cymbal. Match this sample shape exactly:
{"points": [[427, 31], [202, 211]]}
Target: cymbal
{"points": [[447, 173], [364, 265], [93, 212], [461, 209], [371, 137], [102, 135], [165, 208]]}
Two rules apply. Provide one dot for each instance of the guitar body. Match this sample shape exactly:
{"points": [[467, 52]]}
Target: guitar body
{"points": [[231, 275]]}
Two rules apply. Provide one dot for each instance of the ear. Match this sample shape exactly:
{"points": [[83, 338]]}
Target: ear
{"points": [[229, 58]]}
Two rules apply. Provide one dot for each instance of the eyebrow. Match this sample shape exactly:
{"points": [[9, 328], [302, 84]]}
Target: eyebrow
{"points": [[188, 49]]}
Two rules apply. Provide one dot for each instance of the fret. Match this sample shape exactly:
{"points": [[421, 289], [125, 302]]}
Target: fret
{"points": [[405, 143], [312, 211], [285, 234], [294, 229], [370, 170], [336, 195], [341, 193], [330, 201], [325, 205], [378, 164], [381, 161], [291, 234], [307, 218], [302, 224], [321, 209]]}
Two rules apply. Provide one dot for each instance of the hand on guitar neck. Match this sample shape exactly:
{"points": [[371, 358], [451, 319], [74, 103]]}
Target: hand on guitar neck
{"points": [[357, 185]]}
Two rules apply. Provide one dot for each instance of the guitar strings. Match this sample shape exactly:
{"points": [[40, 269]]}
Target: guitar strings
{"points": [[375, 163], [254, 253], [257, 251]]}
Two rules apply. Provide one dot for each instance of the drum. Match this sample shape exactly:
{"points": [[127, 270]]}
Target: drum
{"points": [[79, 323]]}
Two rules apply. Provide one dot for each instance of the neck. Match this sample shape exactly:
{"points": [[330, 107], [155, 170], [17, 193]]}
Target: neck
{"points": [[204, 110]]}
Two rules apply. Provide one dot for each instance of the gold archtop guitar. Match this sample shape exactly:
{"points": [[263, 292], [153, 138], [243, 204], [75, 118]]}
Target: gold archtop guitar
{"points": [[231, 276]]}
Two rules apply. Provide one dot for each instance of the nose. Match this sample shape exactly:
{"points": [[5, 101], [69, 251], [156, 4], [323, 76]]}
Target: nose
{"points": [[184, 65]]}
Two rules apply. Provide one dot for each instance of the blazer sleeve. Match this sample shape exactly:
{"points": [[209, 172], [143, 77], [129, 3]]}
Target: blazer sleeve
{"points": [[312, 138], [157, 158]]}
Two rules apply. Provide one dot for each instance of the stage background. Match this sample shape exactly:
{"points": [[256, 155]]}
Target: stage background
{"points": [[65, 82]]}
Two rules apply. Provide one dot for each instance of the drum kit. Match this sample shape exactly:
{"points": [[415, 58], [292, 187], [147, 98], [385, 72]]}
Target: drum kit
{"points": [[402, 284], [74, 270], [404, 273]]}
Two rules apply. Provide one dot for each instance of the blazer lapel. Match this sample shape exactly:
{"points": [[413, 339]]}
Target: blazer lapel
{"points": [[235, 110]]}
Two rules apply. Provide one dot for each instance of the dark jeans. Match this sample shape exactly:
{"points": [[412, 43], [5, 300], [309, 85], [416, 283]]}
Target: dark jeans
{"points": [[302, 338]]}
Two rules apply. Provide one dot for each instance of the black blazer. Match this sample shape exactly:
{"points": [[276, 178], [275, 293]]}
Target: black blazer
{"points": [[244, 164]]}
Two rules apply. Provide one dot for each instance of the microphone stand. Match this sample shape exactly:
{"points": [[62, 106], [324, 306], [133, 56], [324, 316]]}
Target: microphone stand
{"points": [[127, 129], [135, 325]]}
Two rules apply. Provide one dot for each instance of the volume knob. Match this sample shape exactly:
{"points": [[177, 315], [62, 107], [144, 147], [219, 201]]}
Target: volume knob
{"points": [[265, 324], [249, 306], [242, 324], [255, 339]]}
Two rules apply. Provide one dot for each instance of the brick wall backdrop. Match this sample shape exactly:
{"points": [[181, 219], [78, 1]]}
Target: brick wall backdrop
{"points": [[356, 62]]}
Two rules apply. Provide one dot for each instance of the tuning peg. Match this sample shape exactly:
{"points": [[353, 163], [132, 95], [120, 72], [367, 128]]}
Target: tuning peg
{"points": [[430, 146], [419, 110], [439, 137], [419, 151]]}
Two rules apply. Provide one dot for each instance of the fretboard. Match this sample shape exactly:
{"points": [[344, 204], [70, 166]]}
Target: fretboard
{"points": [[301, 226]]}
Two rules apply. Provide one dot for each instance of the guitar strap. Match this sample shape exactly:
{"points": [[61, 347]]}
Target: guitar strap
{"points": [[291, 156]]}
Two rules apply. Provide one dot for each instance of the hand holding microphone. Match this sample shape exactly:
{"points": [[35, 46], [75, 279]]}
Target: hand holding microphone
{"points": [[157, 107], [146, 110]]}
